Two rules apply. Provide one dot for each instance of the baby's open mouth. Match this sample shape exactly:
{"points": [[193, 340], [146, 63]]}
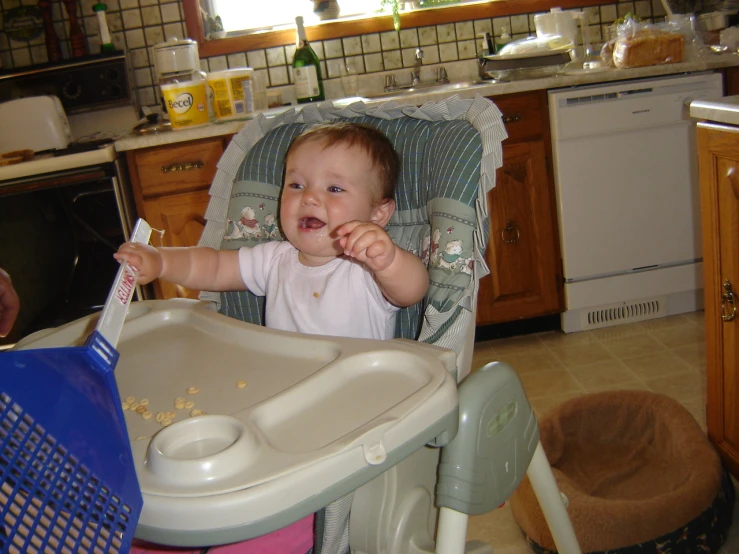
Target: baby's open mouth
{"points": [[310, 223]]}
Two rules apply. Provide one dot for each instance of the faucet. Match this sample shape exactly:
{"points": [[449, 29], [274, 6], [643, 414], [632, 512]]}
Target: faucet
{"points": [[441, 76], [417, 63]]}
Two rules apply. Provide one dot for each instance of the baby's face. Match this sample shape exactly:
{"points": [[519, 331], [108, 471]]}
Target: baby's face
{"points": [[325, 188]]}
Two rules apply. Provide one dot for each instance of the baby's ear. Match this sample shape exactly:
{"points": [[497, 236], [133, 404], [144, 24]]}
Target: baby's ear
{"points": [[382, 213]]}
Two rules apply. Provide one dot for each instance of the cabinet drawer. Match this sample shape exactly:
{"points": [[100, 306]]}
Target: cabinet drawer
{"points": [[177, 168], [524, 114]]}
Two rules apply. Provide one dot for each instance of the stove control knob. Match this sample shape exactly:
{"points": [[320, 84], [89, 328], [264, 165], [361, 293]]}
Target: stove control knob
{"points": [[71, 90]]}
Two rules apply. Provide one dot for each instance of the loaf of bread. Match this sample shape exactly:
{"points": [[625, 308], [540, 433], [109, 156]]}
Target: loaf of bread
{"points": [[648, 47]]}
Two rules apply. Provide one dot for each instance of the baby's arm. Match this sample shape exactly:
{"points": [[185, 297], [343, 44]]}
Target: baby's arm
{"points": [[401, 275], [196, 268]]}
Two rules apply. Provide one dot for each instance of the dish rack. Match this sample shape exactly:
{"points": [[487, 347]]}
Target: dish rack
{"points": [[524, 66], [67, 477]]}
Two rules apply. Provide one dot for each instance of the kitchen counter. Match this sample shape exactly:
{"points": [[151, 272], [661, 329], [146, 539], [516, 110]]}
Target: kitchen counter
{"points": [[725, 110], [712, 62]]}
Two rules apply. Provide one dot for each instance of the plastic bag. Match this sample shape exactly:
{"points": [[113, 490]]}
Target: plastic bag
{"points": [[642, 44], [730, 38]]}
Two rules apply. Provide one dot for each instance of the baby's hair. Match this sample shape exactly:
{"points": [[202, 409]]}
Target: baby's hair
{"points": [[379, 148]]}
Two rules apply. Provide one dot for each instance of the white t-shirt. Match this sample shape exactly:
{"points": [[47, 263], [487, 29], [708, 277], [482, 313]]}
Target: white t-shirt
{"points": [[340, 298]]}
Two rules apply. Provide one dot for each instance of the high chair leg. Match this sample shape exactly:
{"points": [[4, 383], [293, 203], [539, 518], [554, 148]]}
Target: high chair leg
{"points": [[451, 537], [551, 502], [452, 532]]}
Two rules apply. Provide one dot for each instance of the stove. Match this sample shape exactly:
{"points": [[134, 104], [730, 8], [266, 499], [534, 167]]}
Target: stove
{"points": [[49, 162], [67, 210], [97, 97]]}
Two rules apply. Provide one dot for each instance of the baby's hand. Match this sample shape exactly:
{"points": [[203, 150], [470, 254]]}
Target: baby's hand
{"points": [[146, 259], [368, 243]]}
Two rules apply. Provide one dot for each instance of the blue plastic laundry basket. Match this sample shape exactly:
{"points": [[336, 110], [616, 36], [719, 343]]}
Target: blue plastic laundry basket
{"points": [[67, 478]]}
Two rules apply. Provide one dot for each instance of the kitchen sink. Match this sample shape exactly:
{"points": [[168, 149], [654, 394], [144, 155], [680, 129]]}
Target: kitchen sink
{"points": [[430, 88]]}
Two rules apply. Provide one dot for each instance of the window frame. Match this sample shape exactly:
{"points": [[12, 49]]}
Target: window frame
{"points": [[338, 29]]}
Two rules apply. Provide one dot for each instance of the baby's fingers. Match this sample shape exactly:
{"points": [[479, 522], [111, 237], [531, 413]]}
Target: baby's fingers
{"points": [[358, 241], [378, 248], [132, 258], [346, 228]]}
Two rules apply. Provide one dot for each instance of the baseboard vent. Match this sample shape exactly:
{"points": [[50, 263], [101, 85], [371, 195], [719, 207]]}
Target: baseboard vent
{"points": [[624, 312]]}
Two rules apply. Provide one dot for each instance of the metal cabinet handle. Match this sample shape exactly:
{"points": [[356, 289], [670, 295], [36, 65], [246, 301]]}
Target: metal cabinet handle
{"points": [[728, 302], [510, 233], [182, 166], [512, 118]]}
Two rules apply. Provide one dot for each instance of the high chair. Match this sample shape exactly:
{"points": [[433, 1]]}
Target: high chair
{"points": [[449, 153]]}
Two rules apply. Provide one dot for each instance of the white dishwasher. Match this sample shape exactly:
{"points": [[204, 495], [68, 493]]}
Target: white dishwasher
{"points": [[626, 177]]}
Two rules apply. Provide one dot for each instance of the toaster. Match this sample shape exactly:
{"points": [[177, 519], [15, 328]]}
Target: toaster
{"points": [[36, 123]]}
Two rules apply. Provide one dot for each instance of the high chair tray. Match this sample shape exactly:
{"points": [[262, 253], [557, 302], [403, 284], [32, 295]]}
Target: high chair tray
{"points": [[238, 430]]}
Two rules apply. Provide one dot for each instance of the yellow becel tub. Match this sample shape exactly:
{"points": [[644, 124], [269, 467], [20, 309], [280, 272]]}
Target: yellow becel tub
{"points": [[187, 103], [231, 93]]}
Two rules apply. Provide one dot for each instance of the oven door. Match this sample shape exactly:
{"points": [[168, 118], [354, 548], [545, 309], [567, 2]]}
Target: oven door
{"points": [[59, 233]]}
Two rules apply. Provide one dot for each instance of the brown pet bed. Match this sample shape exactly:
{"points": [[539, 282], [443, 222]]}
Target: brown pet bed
{"points": [[635, 467]]}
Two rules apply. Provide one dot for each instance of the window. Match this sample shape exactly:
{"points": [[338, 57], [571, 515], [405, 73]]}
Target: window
{"points": [[277, 14], [283, 32]]}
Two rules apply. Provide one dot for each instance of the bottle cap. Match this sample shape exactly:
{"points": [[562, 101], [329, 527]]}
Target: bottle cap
{"points": [[99, 7]]}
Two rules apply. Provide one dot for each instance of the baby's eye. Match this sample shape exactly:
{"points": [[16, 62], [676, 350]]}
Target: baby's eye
{"points": [[334, 188], [295, 186]]}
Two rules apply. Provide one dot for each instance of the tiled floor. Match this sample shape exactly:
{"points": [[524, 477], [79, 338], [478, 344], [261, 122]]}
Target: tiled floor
{"points": [[664, 355]]}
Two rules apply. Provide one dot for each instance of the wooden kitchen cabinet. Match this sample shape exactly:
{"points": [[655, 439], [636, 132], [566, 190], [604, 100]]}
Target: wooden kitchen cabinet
{"points": [[718, 160], [170, 185], [523, 250], [181, 217]]}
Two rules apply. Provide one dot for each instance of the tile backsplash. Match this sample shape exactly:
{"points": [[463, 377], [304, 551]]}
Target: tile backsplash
{"points": [[137, 25]]}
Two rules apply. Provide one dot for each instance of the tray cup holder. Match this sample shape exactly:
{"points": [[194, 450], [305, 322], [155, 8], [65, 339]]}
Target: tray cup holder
{"points": [[203, 448]]}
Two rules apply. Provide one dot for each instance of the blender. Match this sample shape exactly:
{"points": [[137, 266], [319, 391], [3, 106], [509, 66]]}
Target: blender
{"points": [[178, 75]]}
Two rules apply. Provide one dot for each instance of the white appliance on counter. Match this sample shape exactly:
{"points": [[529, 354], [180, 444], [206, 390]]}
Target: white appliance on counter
{"points": [[626, 177], [35, 123]]}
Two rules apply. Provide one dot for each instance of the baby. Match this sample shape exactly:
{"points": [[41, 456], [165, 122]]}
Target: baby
{"points": [[338, 273]]}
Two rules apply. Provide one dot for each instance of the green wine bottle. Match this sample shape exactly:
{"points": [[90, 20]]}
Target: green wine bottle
{"points": [[306, 69]]}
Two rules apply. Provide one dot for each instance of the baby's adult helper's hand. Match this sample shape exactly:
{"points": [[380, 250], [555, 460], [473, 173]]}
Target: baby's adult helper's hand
{"points": [[145, 258], [9, 304], [368, 243]]}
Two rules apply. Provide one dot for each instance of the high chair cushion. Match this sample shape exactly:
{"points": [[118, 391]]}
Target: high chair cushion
{"points": [[639, 475], [440, 200]]}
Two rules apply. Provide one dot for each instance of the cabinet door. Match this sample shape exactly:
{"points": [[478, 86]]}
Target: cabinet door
{"points": [[719, 174], [525, 275], [182, 218]]}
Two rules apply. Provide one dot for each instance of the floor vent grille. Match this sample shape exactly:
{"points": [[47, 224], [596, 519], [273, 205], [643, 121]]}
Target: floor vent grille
{"points": [[620, 313]]}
